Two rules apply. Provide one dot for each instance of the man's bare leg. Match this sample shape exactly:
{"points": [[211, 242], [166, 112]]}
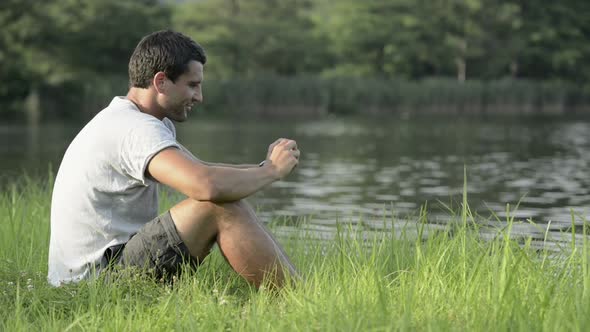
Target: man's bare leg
{"points": [[244, 242]]}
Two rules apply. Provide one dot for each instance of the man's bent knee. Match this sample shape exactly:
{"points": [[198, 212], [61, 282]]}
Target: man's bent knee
{"points": [[203, 212]]}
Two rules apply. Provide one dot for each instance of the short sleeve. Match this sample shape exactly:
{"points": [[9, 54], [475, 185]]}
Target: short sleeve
{"points": [[168, 123], [141, 144]]}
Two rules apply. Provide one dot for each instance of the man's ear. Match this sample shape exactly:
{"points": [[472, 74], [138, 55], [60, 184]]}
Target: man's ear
{"points": [[160, 81]]}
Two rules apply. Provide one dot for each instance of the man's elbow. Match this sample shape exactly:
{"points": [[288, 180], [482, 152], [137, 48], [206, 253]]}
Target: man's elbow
{"points": [[208, 192]]}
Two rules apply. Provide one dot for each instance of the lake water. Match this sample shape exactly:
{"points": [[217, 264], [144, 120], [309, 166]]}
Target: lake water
{"points": [[357, 169]]}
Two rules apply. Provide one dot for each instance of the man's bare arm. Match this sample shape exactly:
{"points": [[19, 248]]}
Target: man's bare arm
{"points": [[185, 150], [244, 166], [179, 170]]}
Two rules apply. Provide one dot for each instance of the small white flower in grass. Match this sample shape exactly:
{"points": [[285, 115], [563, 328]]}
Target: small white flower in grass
{"points": [[30, 287], [10, 283], [223, 301], [29, 281]]}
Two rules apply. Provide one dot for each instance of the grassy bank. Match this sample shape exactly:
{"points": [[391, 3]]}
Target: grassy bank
{"points": [[304, 96], [356, 282]]}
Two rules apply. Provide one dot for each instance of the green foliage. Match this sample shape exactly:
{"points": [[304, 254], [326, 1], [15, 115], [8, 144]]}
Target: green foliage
{"points": [[60, 42], [79, 45], [250, 37], [410, 276], [461, 38], [98, 36], [557, 40], [20, 27]]}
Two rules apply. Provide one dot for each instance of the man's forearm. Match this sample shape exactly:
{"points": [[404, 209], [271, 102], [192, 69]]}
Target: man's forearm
{"points": [[221, 182], [232, 184], [239, 166]]}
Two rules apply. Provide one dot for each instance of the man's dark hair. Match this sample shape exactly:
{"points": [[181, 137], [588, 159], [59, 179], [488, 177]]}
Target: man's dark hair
{"points": [[166, 51]]}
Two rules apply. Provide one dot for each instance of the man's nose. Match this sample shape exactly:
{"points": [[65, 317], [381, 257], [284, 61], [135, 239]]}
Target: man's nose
{"points": [[198, 96]]}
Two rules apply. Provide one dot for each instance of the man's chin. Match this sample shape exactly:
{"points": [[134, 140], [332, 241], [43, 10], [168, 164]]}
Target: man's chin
{"points": [[182, 117]]}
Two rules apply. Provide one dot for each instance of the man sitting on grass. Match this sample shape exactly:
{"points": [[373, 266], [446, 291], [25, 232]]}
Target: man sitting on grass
{"points": [[104, 208]]}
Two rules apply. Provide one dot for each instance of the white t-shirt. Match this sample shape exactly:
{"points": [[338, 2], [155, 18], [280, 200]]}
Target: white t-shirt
{"points": [[101, 195]]}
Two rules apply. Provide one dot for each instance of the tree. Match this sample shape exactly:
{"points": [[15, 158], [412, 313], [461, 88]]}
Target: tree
{"points": [[557, 40], [97, 37], [71, 42], [250, 37], [22, 24]]}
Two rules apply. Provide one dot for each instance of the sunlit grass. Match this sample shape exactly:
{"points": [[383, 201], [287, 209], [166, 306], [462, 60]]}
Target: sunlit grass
{"points": [[358, 281]]}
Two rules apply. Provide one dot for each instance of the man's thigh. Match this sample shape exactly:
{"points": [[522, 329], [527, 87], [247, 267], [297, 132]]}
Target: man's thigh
{"points": [[156, 249]]}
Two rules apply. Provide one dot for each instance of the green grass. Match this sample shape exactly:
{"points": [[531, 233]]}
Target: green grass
{"points": [[359, 281]]}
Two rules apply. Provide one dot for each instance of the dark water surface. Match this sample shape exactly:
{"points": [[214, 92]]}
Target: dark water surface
{"points": [[353, 169]]}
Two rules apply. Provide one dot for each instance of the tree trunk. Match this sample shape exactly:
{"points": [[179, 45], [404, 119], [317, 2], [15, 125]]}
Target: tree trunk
{"points": [[461, 69], [234, 26], [461, 62], [32, 107]]}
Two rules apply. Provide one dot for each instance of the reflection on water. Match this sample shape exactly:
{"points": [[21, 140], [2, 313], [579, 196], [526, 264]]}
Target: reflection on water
{"points": [[527, 171], [368, 170]]}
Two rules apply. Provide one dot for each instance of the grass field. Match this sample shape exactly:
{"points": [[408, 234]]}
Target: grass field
{"points": [[356, 282]]}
